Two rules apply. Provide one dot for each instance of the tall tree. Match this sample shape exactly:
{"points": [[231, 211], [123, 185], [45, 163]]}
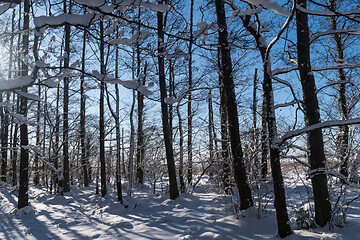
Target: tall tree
{"points": [[23, 199], [190, 85], [140, 101], [65, 183], [83, 114], [101, 120], [343, 135], [240, 175], [174, 192], [312, 116]]}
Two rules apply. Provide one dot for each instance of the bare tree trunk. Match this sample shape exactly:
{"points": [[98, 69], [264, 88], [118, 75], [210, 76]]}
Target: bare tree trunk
{"points": [[132, 145], [174, 193], [312, 116], [210, 129], [36, 158], [343, 135], [83, 114], [255, 137], [65, 186], [171, 95], [23, 199], [264, 140], [225, 148], [14, 145], [4, 140], [189, 109], [181, 146], [240, 175], [140, 132], [118, 136], [101, 122], [9, 137]]}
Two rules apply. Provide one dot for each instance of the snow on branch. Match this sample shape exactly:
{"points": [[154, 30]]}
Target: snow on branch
{"points": [[328, 13], [131, 3], [247, 12], [270, 5], [129, 41], [346, 31], [334, 67], [327, 124], [130, 84], [6, 6], [11, 84], [203, 29], [28, 95], [60, 20]]}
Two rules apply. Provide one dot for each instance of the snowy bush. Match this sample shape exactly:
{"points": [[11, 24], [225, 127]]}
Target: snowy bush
{"points": [[303, 218]]}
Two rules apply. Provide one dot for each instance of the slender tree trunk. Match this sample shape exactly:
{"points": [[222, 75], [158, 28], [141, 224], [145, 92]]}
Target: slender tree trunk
{"points": [[36, 158], [83, 114], [181, 146], [268, 113], [14, 145], [171, 95], [255, 138], [118, 134], [140, 132], [282, 217], [4, 140], [174, 193], [343, 135], [10, 76], [101, 122], [312, 116], [132, 145], [23, 199], [210, 128], [264, 140], [123, 153], [66, 171], [189, 108], [240, 175]]}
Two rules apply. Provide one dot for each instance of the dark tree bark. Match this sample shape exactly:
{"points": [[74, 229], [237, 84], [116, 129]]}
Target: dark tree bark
{"points": [[140, 132], [246, 200], [312, 116], [4, 139], [189, 108], [23, 199], [255, 137], [225, 148], [118, 136], [36, 158], [264, 140], [14, 152], [83, 115], [211, 127], [174, 193], [65, 183], [101, 121]]}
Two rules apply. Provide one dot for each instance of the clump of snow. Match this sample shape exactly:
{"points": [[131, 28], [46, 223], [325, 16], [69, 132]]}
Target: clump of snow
{"points": [[20, 82], [73, 19], [270, 5], [247, 12]]}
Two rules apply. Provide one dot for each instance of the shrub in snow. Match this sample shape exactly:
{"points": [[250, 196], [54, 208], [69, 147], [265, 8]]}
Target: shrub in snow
{"points": [[303, 218]]}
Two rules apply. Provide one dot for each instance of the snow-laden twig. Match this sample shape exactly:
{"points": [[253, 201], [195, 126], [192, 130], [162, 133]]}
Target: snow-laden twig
{"points": [[327, 124]]}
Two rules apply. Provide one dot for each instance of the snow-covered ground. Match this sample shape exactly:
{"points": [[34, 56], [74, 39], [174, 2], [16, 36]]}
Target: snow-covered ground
{"points": [[204, 215]]}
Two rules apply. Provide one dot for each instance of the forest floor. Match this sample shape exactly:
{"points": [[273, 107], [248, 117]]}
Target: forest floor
{"points": [[206, 214]]}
